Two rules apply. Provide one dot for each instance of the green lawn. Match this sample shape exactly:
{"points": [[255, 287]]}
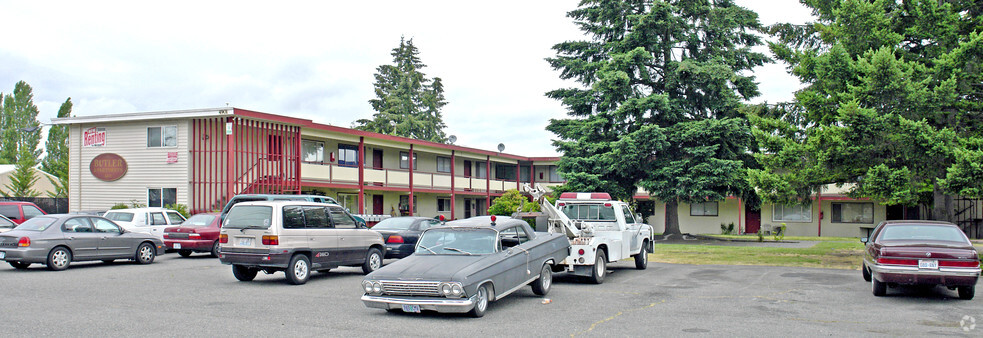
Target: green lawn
{"points": [[826, 254], [770, 238]]}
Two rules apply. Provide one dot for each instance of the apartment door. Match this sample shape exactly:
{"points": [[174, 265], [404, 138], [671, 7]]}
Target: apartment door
{"points": [[467, 207], [377, 207], [376, 158], [467, 168], [752, 221]]}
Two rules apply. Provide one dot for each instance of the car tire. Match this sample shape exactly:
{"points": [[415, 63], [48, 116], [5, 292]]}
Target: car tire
{"points": [[865, 271], [642, 258], [373, 261], [59, 259], [599, 271], [967, 292], [541, 286], [243, 273], [19, 265], [146, 253], [481, 302], [215, 249], [877, 287], [299, 270], [184, 253]]}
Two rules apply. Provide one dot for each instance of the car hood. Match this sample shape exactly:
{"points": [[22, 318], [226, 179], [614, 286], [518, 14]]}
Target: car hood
{"points": [[431, 267]]}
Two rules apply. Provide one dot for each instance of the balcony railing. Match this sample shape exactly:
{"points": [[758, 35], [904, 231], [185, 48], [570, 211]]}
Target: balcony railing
{"points": [[400, 178]]}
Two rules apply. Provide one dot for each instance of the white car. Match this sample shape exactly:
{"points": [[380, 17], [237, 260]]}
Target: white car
{"points": [[148, 220]]}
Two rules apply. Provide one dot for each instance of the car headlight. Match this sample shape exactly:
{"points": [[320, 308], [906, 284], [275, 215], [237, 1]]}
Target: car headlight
{"points": [[457, 290], [452, 290], [367, 285], [377, 287]]}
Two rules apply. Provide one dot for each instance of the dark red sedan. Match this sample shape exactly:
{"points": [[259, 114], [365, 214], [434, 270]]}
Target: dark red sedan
{"points": [[920, 253], [197, 234]]}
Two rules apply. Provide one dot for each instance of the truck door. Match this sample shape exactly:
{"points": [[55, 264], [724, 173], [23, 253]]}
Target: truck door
{"points": [[630, 241]]}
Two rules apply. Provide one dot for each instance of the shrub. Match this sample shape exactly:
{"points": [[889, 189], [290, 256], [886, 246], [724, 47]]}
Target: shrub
{"points": [[727, 229], [119, 206], [180, 208], [761, 235], [780, 232]]}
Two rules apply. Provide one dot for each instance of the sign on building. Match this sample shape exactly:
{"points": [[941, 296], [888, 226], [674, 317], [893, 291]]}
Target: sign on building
{"points": [[94, 137]]}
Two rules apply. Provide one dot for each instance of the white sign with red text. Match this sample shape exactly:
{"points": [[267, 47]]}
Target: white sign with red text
{"points": [[94, 137]]}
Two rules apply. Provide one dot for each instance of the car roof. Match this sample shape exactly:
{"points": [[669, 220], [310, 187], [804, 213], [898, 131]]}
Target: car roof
{"points": [[282, 203], [916, 221], [17, 202], [485, 222], [144, 209]]}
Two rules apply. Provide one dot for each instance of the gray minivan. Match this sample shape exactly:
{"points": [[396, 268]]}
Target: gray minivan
{"points": [[280, 197], [296, 237]]}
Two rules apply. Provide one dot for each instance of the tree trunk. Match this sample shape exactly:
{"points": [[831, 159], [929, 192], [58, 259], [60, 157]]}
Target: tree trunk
{"points": [[672, 217], [941, 204]]}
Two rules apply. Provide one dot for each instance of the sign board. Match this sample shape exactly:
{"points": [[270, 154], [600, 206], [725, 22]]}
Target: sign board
{"points": [[172, 157], [94, 137], [108, 167]]}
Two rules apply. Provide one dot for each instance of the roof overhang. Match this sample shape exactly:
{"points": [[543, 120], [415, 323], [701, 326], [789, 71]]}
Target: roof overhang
{"points": [[166, 115]]}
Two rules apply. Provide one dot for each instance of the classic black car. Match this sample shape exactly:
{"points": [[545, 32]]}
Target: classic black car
{"points": [[462, 266], [401, 233]]}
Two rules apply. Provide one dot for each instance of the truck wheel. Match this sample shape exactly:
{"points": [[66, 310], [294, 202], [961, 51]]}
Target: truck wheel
{"points": [[600, 268], [642, 258], [243, 273], [864, 271], [541, 286], [299, 270]]}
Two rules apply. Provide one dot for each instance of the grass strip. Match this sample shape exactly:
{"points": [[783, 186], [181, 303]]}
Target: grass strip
{"points": [[827, 254]]}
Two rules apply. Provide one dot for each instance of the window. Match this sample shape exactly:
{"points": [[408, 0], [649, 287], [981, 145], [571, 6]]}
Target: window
{"points": [[443, 164], [30, 212], [161, 197], [293, 217], [104, 226], [348, 155], [313, 151], [404, 160], [349, 201], [524, 174], [340, 218], [175, 217], [162, 137], [555, 175], [703, 209], [792, 213], [589, 212], [404, 203], [505, 172], [443, 204], [78, 224], [629, 218], [316, 217], [157, 218], [853, 213], [481, 171]]}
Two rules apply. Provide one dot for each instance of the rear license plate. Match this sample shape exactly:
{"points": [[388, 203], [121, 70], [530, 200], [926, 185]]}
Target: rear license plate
{"points": [[246, 241], [411, 308], [177, 246], [3, 254], [928, 264]]}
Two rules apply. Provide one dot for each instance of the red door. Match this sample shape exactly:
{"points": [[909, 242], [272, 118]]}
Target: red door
{"points": [[377, 205], [753, 221], [377, 159], [467, 168]]}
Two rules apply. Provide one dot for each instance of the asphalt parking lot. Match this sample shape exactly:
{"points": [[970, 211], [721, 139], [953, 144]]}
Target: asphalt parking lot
{"points": [[197, 296]]}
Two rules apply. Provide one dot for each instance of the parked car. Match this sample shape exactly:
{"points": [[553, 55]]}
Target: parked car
{"points": [[199, 233], [6, 224], [149, 220], [296, 237], [281, 197], [464, 265], [60, 239], [20, 211], [401, 233], [920, 253]]}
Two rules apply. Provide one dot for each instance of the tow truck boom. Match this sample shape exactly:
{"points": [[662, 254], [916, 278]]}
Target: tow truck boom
{"points": [[558, 221]]}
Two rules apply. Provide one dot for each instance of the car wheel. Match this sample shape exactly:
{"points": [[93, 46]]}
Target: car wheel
{"points": [[59, 259], [864, 271], [967, 292], [480, 302], [299, 270], [215, 250], [243, 273], [541, 286], [373, 261], [600, 268], [108, 261], [19, 265], [146, 253], [877, 287], [184, 253], [642, 258]]}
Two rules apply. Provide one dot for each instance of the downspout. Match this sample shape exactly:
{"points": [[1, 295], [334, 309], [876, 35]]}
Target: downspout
{"points": [[410, 211], [819, 201], [361, 175], [453, 188]]}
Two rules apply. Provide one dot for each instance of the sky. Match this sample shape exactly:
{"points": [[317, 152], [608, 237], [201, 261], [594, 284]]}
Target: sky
{"points": [[312, 59]]}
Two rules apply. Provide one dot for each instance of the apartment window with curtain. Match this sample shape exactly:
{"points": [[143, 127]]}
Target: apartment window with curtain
{"points": [[792, 213], [703, 209], [862, 213], [505, 172], [348, 155], [158, 137], [160, 197], [443, 164], [481, 171], [555, 175], [313, 151], [404, 160]]}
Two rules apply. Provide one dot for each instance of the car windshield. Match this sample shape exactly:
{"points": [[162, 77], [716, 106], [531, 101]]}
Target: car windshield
{"points": [[922, 232], [457, 241], [199, 221], [594, 212], [119, 216], [249, 217], [37, 223], [397, 223]]}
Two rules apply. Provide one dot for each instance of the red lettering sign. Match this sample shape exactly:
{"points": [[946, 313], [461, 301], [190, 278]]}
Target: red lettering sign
{"points": [[108, 167], [94, 137]]}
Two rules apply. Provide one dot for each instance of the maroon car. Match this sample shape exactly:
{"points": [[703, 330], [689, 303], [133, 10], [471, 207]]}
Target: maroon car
{"points": [[920, 253], [197, 234]]}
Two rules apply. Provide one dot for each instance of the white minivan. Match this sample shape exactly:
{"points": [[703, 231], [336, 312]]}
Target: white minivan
{"points": [[296, 237], [149, 220]]}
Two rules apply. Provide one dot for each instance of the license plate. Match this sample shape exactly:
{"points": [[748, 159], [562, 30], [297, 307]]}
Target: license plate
{"points": [[177, 246], [928, 264], [246, 241], [3, 254], [411, 308]]}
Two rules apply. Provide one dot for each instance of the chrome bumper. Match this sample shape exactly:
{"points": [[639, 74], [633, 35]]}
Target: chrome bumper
{"points": [[429, 303], [914, 270]]}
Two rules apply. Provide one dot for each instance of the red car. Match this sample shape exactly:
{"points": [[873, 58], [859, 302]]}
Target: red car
{"points": [[197, 234], [920, 253], [20, 211]]}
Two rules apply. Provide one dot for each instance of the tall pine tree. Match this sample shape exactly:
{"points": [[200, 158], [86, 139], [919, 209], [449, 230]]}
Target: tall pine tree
{"points": [[407, 103], [56, 152], [662, 84]]}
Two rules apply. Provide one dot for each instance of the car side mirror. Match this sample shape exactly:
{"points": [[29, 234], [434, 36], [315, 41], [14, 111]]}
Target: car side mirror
{"points": [[863, 240]]}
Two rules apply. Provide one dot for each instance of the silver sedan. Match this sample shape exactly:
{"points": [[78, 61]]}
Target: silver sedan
{"points": [[58, 240]]}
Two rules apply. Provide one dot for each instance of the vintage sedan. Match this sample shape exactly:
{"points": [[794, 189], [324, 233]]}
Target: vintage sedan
{"points": [[462, 266], [920, 253], [199, 233], [401, 233], [58, 240]]}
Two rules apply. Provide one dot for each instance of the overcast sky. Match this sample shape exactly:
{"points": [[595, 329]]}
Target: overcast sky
{"points": [[312, 60]]}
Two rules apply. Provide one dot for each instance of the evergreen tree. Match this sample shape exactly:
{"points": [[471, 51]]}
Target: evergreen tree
{"points": [[23, 179], [19, 128], [892, 104], [407, 103], [56, 158], [662, 84]]}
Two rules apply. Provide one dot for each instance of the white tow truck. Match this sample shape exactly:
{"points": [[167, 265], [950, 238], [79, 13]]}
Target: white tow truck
{"points": [[601, 231]]}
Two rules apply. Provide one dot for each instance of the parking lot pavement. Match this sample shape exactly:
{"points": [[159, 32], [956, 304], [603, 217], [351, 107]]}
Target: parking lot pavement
{"points": [[197, 296]]}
